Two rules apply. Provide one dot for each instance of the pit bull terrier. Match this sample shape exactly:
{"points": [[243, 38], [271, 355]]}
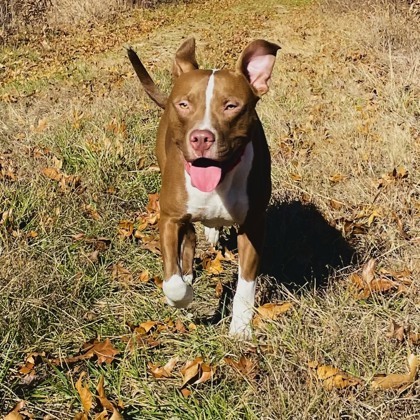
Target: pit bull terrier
{"points": [[215, 165]]}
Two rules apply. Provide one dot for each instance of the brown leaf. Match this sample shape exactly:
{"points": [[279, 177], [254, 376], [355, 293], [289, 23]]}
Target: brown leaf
{"points": [[105, 403], [81, 416], [270, 311], [153, 204], [14, 414], [84, 393], [180, 327], [368, 272], [334, 378], [414, 338], [116, 415], [185, 392], [52, 173], [190, 371], [207, 373], [144, 277], [395, 380], [148, 325], [125, 228], [91, 212], [213, 266], [164, 372], [245, 366], [103, 350], [396, 331], [219, 289], [121, 274]]}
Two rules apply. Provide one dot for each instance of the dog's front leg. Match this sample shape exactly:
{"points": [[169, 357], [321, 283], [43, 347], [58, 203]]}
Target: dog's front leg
{"points": [[176, 286], [250, 240]]}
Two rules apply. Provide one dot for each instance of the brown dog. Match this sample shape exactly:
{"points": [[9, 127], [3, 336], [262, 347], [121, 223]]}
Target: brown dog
{"points": [[215, 166]]}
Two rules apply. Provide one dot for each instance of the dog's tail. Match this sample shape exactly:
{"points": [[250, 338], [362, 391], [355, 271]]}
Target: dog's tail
{"points": [[148, 84]]}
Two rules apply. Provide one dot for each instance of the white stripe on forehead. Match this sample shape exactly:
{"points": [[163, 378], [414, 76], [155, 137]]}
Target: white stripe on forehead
{"points": [[206, 122]]}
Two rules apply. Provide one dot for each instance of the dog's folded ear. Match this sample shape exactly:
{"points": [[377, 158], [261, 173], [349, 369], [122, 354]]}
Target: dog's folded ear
{"points": [[256, 63], [148, 84], [185, 60]]}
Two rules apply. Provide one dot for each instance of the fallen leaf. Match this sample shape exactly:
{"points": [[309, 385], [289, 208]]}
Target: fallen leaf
{"points": [[219, 289], [337, 177], [213, 266], [91, 212], [207, 372], [191, 370], [52, 173], [116, 415], [144, 277], [84, 393], [334, 378], [396, 331], [14, 414], [121, 274], [270, 311], [164, 372], [368, 272], [367, 283], [396, 380], [153, 204], [105, 403], [125, 228], [245, 366], [185, 392], [104, 351]]}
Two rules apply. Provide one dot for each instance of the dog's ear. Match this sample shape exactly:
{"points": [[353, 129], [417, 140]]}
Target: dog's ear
{"points": [[185, 58], [256, 63]]}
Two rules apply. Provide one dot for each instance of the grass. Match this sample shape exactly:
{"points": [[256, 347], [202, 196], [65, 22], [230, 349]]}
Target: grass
{"points": [[342, 122]]}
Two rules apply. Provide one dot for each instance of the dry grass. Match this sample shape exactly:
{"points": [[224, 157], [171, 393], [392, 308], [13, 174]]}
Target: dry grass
{"points": [[342, 114]]}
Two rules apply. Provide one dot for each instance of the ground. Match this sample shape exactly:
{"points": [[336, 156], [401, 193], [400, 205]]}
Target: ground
{"points": [[79, 251]]}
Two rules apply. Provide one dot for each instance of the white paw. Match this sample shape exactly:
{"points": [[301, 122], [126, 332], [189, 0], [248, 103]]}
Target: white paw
{"points": [[240, 329], [178, 290], [212, 235], [243, 309]]}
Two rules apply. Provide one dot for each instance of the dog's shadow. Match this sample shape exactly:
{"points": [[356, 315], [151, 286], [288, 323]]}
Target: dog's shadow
{"points": [[302, 251]]}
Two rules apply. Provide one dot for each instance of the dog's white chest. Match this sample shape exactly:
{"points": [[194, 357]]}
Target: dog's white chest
{"points": [[229, 202]]}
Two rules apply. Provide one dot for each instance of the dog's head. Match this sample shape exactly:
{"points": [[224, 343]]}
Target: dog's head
{"points": [[211, 112]]}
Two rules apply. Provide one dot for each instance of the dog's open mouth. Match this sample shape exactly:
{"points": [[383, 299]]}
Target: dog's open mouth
{"points": [[205, 174]]}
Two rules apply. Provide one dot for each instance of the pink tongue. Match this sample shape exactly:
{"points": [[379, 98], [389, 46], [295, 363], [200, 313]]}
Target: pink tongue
{"points": [[205, 179]]}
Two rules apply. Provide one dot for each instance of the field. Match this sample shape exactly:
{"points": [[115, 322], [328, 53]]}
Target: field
{"points": [[84, 330]]}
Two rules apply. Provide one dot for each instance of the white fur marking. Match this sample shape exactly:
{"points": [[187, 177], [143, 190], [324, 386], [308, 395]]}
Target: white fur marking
{"points": [[178, 290], [212, 235], [206, 122], [243, 309], [228, 203]]}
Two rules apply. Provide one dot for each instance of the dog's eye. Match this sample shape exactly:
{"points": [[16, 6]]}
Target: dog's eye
{"points": [[183, 105], [230, 106]]}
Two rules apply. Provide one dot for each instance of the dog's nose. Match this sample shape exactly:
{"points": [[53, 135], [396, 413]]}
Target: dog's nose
{"points": [[201, 140]]}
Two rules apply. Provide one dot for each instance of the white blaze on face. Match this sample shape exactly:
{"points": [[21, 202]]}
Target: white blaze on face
{"points": [[206, 122]]}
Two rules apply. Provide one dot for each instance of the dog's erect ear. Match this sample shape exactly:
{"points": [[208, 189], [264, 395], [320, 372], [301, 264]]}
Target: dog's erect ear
{"points": [[256, 63], [185, 58], [148, 84]]}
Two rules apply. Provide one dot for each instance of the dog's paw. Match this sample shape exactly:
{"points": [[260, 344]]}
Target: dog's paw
{"points": [[212, 235], [240, 329], [178, 291]]}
